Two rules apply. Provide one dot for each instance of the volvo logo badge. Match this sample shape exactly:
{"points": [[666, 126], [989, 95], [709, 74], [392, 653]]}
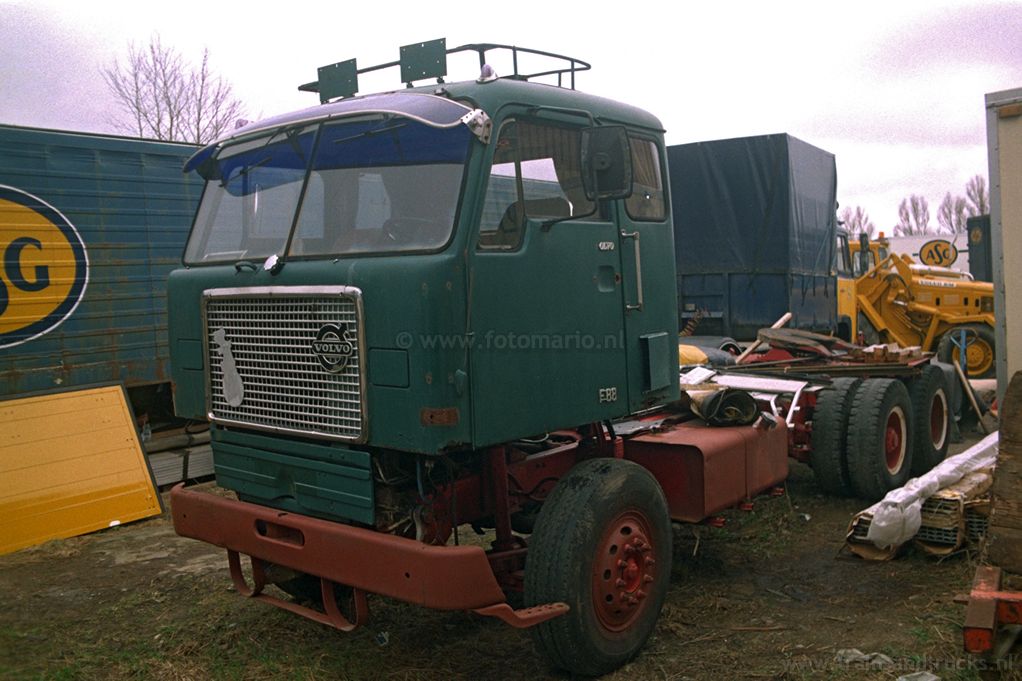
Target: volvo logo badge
{"points": [[333, 348]]}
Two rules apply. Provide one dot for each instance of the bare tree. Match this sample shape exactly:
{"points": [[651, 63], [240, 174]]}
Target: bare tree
{"points": [[857, 221], [977, 196], [952, 214], [913, 216], [163, 97]]}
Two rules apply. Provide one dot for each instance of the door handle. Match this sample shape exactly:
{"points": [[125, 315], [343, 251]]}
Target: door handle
{"points": [[638, 269]]}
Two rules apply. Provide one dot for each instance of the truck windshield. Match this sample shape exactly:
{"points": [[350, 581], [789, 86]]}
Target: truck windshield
{"points": [[373, 184]]}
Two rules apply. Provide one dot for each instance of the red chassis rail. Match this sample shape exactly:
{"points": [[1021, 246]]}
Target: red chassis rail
{"points": [[442, 577]]}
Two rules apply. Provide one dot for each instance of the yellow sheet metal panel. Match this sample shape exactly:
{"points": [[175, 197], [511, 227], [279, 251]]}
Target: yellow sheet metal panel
{"points": [[70, 463]]}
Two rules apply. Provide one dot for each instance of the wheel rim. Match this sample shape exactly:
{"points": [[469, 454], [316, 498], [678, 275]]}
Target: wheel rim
{"points": [[624, 569], [979, 357], [894, 441], [938, 419]]}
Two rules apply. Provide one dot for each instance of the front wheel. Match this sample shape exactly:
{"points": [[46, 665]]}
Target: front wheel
{"points": [[602, 544]]}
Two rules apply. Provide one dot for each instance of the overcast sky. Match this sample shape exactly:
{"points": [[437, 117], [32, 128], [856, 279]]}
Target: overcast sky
{"points": [[894, 89]]}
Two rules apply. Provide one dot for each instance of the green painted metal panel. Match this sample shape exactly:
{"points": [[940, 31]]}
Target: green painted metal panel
{"points": [[660, 371], [389, 368], [327, 482], [413, 304]]}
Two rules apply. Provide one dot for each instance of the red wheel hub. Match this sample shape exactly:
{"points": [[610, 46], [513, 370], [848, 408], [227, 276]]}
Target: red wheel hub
{"points": [[894, 441], [624, 567]]}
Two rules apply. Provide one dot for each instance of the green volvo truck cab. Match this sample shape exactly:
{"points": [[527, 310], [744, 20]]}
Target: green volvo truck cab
{"points": [[415, 310], [423, 272]]}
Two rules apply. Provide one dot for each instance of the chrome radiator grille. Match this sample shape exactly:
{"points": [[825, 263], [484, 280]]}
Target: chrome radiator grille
{"points": [[286, 359]]}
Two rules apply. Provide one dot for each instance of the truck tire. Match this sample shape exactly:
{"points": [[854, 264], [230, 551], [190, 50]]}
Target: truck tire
{"points": [[979, 349], [830, 436], [880, 434], [932, 417], [602, 545]]}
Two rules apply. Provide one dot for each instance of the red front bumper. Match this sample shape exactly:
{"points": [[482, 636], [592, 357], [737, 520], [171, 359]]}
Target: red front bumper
{"points": [[442, 577]]}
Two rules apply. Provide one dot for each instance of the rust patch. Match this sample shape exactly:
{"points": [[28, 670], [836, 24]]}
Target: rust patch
{"points": [[442, 416]]}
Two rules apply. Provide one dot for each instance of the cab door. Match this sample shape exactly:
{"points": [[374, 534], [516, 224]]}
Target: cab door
{"points": [[649, 287], [546, 303]]}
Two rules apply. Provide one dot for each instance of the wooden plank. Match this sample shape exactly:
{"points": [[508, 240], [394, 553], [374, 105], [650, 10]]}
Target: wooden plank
{"points": [[1004, 543]]}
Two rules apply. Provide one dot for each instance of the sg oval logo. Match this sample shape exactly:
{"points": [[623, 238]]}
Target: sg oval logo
{"points": [[938, 253], [44, 268]]}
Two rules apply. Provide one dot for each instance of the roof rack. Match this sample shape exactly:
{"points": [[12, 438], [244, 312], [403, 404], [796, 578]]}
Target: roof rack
{"points": [[420, 61]]}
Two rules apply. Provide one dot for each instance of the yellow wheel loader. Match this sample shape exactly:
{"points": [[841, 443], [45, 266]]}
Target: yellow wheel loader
{"points": [[884, 297]]}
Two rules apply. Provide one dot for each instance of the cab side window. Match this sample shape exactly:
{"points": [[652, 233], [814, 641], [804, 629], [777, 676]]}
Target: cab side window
{"points": [[535, 174], [844, 267], [647, 201]]}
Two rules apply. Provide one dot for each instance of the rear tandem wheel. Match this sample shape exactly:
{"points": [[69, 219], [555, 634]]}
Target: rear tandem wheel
{"points": [[880, 433], [830, 436], [932, 417]]}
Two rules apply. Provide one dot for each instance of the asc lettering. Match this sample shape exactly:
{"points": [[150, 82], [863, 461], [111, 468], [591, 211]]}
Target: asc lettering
{"points": [[15, 274]]}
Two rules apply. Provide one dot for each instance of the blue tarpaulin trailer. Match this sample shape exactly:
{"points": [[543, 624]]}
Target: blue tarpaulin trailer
{"points": [[755, 229], [90, 227]]}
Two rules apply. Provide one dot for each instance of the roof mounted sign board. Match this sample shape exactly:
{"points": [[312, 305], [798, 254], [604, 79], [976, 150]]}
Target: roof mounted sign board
{"points": [[71, 463], [424, 60], [338, 80]]}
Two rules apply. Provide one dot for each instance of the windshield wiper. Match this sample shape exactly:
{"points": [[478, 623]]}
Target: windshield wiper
{"points": [[245, 170]]}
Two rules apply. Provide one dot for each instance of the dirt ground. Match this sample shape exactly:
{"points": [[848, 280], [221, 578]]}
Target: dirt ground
{"points": [[768, 596]]}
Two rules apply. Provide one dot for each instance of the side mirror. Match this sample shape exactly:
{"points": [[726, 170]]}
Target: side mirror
{"points": [[606, 163]]}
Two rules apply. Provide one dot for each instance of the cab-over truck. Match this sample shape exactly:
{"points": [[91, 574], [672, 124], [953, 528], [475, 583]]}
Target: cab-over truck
{"points": [[445, 306]]}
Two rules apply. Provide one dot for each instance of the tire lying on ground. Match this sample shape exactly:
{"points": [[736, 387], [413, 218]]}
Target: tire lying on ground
{"points": [[932, 419], [602, 544], [979, 349], [830, 436], [880, 433]]}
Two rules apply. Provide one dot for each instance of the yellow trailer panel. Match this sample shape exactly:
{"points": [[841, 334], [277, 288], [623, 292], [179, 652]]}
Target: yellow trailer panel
{"points": [[70, 463]]}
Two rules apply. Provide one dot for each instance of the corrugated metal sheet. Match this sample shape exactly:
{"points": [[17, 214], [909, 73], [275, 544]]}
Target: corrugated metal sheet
{"points": [[70, 463], [132, 207]]}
